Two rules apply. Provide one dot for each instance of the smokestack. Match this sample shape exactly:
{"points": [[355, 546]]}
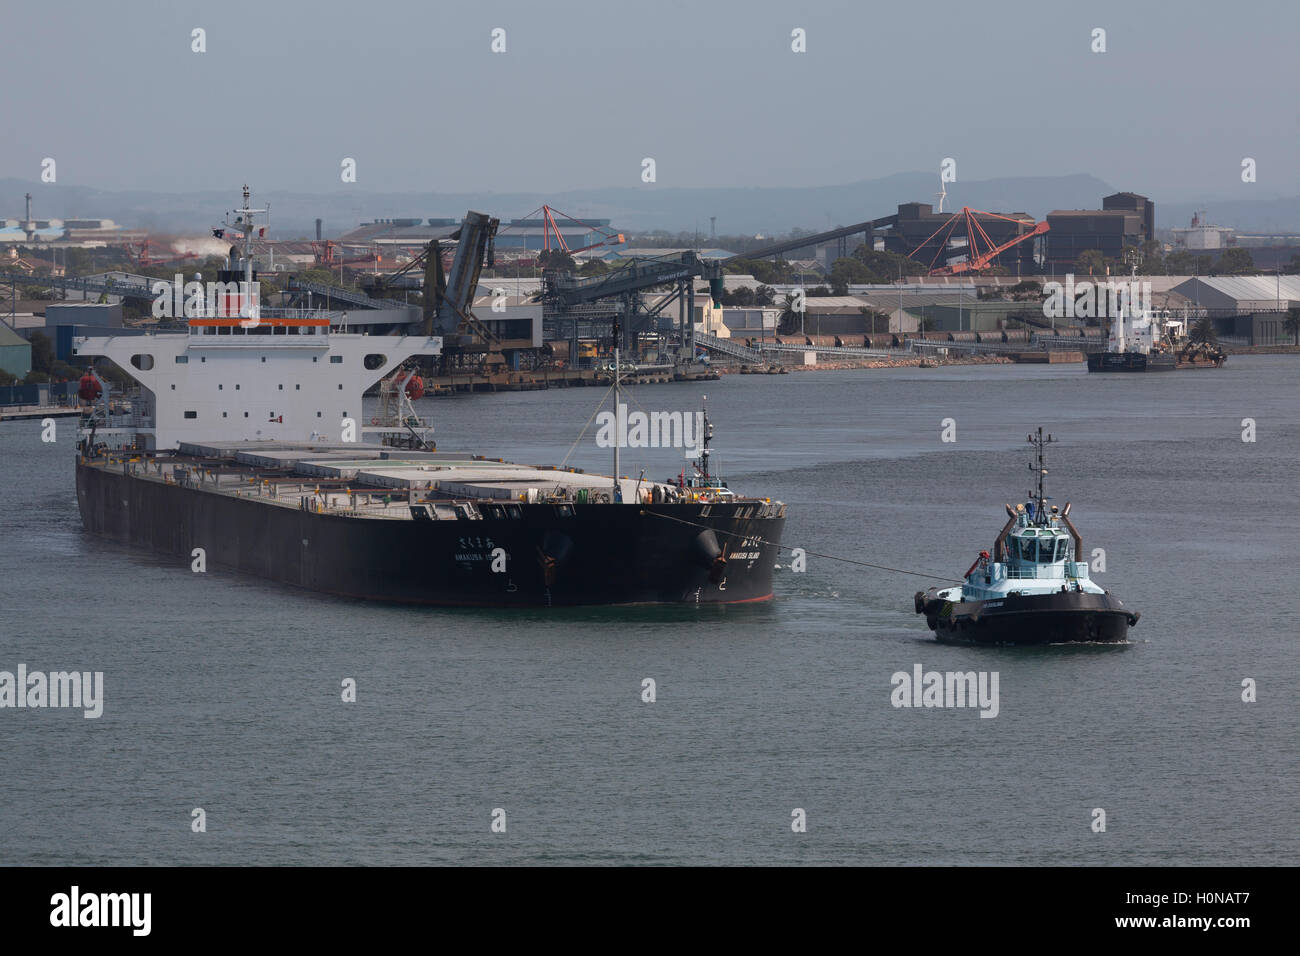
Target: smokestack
{"points": [[318, 230], [29, 208]]}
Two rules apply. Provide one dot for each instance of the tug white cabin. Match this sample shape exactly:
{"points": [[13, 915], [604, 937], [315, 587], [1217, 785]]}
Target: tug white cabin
{"points": [[1038, 550], [1036, 553]]}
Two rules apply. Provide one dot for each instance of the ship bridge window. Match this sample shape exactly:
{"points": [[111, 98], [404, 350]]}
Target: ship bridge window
{"points": [[1051, 549], [143, 362]]}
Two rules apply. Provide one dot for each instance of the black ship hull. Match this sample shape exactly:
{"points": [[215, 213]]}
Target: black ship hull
{"points": [[1130, 362], [548, 555], [1057, 618]]}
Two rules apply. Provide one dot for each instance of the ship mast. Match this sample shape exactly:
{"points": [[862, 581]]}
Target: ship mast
{"points": [[705, 439], [617, 425], [248, 243], [244, 222], [1039, 468]]}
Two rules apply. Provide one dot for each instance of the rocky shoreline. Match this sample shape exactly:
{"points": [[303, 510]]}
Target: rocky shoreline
{"points": [[911, 362]]}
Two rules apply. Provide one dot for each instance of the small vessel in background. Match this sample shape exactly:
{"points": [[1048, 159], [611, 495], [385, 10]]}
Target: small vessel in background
{"points": [[1034, 587], [1153, 342]]}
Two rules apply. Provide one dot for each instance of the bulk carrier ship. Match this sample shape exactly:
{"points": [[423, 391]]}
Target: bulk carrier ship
{"points": [[244, 441]]}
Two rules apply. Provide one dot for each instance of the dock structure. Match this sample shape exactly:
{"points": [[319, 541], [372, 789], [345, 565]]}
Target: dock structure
{"points": [[19, 412]]}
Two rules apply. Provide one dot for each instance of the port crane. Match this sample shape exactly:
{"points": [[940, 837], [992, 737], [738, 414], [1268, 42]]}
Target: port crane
{"points": [[329, 253], [981, 251], [569, 297], [553, 238], [144, 258]]}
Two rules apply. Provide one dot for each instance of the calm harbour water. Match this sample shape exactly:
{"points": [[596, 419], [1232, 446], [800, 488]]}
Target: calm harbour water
{"points": [[224, 693]]}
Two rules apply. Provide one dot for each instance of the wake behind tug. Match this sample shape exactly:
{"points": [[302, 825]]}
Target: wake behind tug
{"points": [[1031, 589]]}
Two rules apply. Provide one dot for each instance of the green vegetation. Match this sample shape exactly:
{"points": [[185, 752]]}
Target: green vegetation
{"points": [[886, 267], [764, 270], [42, 352], [1292, 323], [1090, 262], [556, 259], [1183, 263], [747, 298], [791, 318], [1203, 331], [1236, 262]]}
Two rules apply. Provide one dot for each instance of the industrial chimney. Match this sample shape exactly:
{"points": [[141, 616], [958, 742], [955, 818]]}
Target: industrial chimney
{"points": [[318, 230]]}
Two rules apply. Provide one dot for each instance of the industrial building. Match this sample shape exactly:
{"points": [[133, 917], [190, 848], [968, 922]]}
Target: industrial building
{"points": [[67, 232], [919, 232], [15, 353], [1125, 219], [516, 234]]}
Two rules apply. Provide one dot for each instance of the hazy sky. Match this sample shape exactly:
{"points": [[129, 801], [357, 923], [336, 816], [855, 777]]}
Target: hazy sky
{"points": [[711, 90]]}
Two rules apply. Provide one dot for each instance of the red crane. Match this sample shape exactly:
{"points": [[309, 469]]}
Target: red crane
{"points": [[144, 259], [551, 228], [980, 249], [328, 253]]}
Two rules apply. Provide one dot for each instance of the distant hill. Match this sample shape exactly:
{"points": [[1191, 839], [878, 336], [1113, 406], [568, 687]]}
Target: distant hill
{"points": [[738, 210]]}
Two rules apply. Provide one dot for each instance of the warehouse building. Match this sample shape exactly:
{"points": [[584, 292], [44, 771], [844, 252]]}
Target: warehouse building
{"points": [[15, 353], [1251, 308]]}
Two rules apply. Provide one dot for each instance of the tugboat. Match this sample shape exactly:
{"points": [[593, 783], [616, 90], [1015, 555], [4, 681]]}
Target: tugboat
{"points": [[1032, 589]]}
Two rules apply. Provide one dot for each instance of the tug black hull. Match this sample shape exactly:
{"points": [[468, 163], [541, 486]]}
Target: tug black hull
{"points": [[1057, 618], [549, 555]]}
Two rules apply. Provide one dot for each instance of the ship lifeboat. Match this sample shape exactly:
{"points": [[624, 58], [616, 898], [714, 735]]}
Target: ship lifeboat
{"points": [[89, 388], [415, 388]]}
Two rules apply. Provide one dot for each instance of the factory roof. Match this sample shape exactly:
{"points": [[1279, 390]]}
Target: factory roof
{"points": [[1245, 288], [653, 252], [9, 337]]}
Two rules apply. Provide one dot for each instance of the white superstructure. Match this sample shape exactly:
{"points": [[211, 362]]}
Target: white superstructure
{"points": [[287, 379], [241, 372]]}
